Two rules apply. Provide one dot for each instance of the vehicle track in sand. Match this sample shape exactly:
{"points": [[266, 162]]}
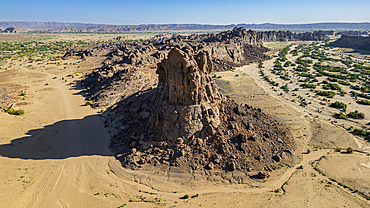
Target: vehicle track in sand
{"points": [[69, 147]]}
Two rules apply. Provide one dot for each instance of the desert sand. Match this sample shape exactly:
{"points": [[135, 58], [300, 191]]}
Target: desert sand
{"points": [[56, 155]]}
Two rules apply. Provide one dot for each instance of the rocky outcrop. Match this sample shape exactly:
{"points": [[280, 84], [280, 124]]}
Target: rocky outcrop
{"points": [[80, 52], [13, 30], [351, 32], [271, 36], [186, 122], [226, 50], [9, 95], [355, 42], [114, 85]]}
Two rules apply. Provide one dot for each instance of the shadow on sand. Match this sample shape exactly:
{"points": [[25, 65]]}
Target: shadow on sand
{"points": [[63, 139]]}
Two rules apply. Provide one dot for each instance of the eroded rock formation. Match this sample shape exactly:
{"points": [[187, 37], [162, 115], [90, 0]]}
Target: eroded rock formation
{"points": [[227, 50], [355, 42], [271, 36], [187, 122]]}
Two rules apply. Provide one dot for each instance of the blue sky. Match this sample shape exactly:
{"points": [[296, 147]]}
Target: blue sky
{"points": [[190, 11]]}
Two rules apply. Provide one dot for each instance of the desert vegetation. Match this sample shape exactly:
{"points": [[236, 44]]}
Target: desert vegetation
{"points": [[321, 77]]}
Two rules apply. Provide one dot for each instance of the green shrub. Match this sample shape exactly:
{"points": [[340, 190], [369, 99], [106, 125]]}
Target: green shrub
{"points": [[337, 104], [287, 64], [196, 195], [361, 132], [356, 114], [285, 88], [364, 102], [15, 112], [327, 93], [186, 196], [89, 102], [349, 150], [340, 115], [308, 86]]}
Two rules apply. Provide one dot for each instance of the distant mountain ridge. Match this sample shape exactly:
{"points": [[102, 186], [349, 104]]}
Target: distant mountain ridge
{"points": [[45, 25], [89, 27]]}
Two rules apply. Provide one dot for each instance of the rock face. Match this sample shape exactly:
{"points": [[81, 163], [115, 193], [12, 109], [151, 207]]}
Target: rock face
{"points": [[351, 32], [271, 36], [187, 96], [13, 30], [355, 42], [186, 122], [226, 50]]}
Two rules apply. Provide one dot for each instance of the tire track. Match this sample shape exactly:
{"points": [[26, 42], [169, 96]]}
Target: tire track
{"points": [[27, 197]]}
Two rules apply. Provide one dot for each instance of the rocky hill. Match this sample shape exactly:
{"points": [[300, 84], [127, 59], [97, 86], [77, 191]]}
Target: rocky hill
{"points": [[271, 36], [351, 32], [186, 122], [124, 59], [355, 42], [13, 30]]}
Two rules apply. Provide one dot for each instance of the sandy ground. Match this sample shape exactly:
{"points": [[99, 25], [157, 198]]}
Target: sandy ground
{"points": [[56, 155]]}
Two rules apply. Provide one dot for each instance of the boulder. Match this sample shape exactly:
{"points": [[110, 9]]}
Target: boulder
{"points": [[262, 175]]}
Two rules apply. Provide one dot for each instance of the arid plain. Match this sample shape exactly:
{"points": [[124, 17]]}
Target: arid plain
{"points": [[57, 152]]}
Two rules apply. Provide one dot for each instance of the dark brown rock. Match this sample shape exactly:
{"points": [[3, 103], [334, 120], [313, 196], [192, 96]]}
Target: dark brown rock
{"points": [[277, 158], [262, 175], [185, 121]]}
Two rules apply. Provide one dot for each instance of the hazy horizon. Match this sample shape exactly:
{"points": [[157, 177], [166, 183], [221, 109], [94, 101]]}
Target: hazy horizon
{"points": [[196, 23], [216, 12]]}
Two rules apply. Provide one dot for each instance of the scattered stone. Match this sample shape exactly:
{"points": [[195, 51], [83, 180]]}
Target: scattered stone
{"points": [[239, 110], [283, 155], [243, 147], [243, 138], [253, 138], [262, 175], [280, 140], [233, 166], [211, 165], [277, 158], [291, 152]]}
